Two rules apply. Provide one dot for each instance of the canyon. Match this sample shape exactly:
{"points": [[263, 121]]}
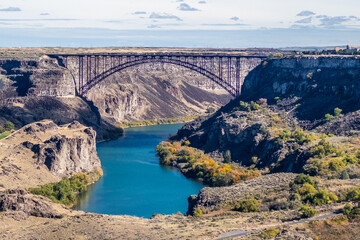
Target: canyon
{"points": [[257, 130]]}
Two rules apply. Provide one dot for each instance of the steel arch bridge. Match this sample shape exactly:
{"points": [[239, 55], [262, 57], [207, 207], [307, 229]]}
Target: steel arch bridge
{"points": [[90, 70]]}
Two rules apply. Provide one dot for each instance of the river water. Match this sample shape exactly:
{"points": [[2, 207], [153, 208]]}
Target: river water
{"points": [[134, 183]]}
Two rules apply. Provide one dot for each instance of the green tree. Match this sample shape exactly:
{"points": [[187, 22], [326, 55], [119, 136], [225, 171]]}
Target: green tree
{"points": [[307, 211], [227, 156], [248, 205], [198, 212], [337, 112], [306, 190], [304, 178], [9, 126], [329, 117]]}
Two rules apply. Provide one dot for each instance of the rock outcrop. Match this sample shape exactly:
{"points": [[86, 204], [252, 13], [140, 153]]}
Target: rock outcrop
{"points": [[43, 152], [211, 199], [294, 92], [155, 91], [71, 149], [34, 76], [21, 204], [147, 92], [321, 83]]}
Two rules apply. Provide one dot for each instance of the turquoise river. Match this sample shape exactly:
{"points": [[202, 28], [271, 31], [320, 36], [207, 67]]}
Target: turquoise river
{"points": [[134, 183]]}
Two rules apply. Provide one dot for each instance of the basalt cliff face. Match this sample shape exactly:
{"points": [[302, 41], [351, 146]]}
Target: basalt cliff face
{"points": [[43, 152], [34, 87], [153, 91], [292, 93], [321, 83], [34, 76]]}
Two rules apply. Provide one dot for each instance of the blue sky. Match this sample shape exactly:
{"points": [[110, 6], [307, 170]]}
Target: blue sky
{"points": [[230, 23]]}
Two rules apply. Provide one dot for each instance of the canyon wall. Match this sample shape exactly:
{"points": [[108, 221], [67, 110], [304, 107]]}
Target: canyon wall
{"points": [[322, 83], [33, 83], [292, 93], [43, 152]]}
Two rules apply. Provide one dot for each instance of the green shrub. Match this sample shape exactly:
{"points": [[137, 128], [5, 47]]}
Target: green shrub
{"points": [[322, 197], [227, 156], [295, 197], [336, 165], [344, 175], [248, 107], [9, 126], [2, 129], [4, 135], [353, 195], [269, 233], [302, 179], [306, 190], [64, 191], [329, 117], [198, 212], [347, 210], [248, 205], [351, 212], [337, 112], [285, 135], [322, 149], [351, 159], [307, 211], [300, 136]]}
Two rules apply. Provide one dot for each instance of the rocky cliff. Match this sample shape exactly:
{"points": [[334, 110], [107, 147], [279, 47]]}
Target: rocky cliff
{"points": [[37, 83], [43, 152], [34, 76], [321, 83], [287, 94], [21, 205], [211, 199], [147, 92]]}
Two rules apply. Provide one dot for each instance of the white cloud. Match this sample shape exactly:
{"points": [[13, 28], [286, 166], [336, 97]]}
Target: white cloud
{"points": [[186, 7], [305, 13], [10, 9], [305, 20], [164, 16], [216, 14], [139, 13]]}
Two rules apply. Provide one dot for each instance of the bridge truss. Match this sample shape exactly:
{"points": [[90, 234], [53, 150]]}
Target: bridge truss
{"points": [[90, 70]]}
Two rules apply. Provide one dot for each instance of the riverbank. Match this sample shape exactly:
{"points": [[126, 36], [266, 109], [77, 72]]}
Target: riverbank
{"points": [[158, 122], [134, 182]]}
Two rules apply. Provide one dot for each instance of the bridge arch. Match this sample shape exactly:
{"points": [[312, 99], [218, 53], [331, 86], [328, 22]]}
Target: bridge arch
{"points": [[84, 88]]}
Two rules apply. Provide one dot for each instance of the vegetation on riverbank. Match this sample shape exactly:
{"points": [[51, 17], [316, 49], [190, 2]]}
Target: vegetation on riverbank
{"points": [[157, 122], [65, 191], [6, 130], [194, 163]]}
